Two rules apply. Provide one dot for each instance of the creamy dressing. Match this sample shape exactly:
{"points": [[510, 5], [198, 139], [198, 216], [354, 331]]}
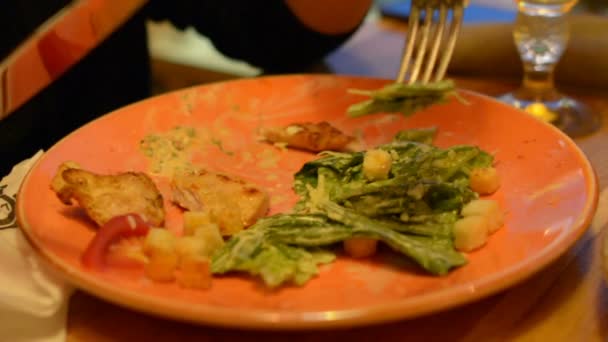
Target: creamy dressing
{"points": [[170, 152], [268, 159]]}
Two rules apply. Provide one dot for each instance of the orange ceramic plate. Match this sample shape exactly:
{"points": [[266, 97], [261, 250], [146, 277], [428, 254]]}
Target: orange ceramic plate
{"points": [[549, 191]]}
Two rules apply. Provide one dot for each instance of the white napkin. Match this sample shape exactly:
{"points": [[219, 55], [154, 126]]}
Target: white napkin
{"points": [[33, 300]]}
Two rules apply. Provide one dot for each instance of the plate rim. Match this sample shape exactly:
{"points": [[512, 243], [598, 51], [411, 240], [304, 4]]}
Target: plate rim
{"points": [[265, 319]]}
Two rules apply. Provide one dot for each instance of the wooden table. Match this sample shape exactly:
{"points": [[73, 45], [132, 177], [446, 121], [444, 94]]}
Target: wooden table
{"points": [[567, 301]]}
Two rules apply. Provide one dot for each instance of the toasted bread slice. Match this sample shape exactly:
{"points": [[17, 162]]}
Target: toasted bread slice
{"points": [[233, 203], [315, 137], [106, 196]]}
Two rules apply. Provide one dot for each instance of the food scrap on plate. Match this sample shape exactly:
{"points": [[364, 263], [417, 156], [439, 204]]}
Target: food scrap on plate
{"points": [[233, 202], [402, 98], [106, 196], [420, 200], [407, 194], [309, 136]]}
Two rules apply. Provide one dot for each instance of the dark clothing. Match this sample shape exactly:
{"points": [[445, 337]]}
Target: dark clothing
{"points": [[263, 33]]}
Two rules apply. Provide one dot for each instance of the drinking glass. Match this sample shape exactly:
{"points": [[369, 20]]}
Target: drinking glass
{"points": [[541, 35]]}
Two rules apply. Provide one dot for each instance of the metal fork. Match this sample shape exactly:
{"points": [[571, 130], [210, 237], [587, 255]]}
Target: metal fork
{"points": [[435, 28]]}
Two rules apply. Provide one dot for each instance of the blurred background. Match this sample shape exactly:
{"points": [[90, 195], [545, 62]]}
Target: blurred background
{"points": [[172, 49]]}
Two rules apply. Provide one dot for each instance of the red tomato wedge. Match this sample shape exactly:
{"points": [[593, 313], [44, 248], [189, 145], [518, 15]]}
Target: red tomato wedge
{"points": [[119, 227]]}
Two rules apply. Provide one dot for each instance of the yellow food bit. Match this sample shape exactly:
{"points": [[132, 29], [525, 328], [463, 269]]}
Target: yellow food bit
{"points": [[159, 247], [488, 209], [189, 246], [212, 238], [470, 233], [360, 247], [377, 164], [194, 220], [195, 273], [484, 181], [161, 266]]}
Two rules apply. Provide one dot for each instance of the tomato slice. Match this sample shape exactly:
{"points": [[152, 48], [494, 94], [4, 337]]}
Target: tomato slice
{"points": [[117, 228]]}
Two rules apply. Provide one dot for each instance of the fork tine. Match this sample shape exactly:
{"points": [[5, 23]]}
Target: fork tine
{"points": [[449, 49], [411, 39], [428, 19], [437, 39]]}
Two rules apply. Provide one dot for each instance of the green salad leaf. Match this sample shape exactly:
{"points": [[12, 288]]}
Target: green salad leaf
{"points": [[413, 211], [421, 135], [400, 97], [254, 252]]}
